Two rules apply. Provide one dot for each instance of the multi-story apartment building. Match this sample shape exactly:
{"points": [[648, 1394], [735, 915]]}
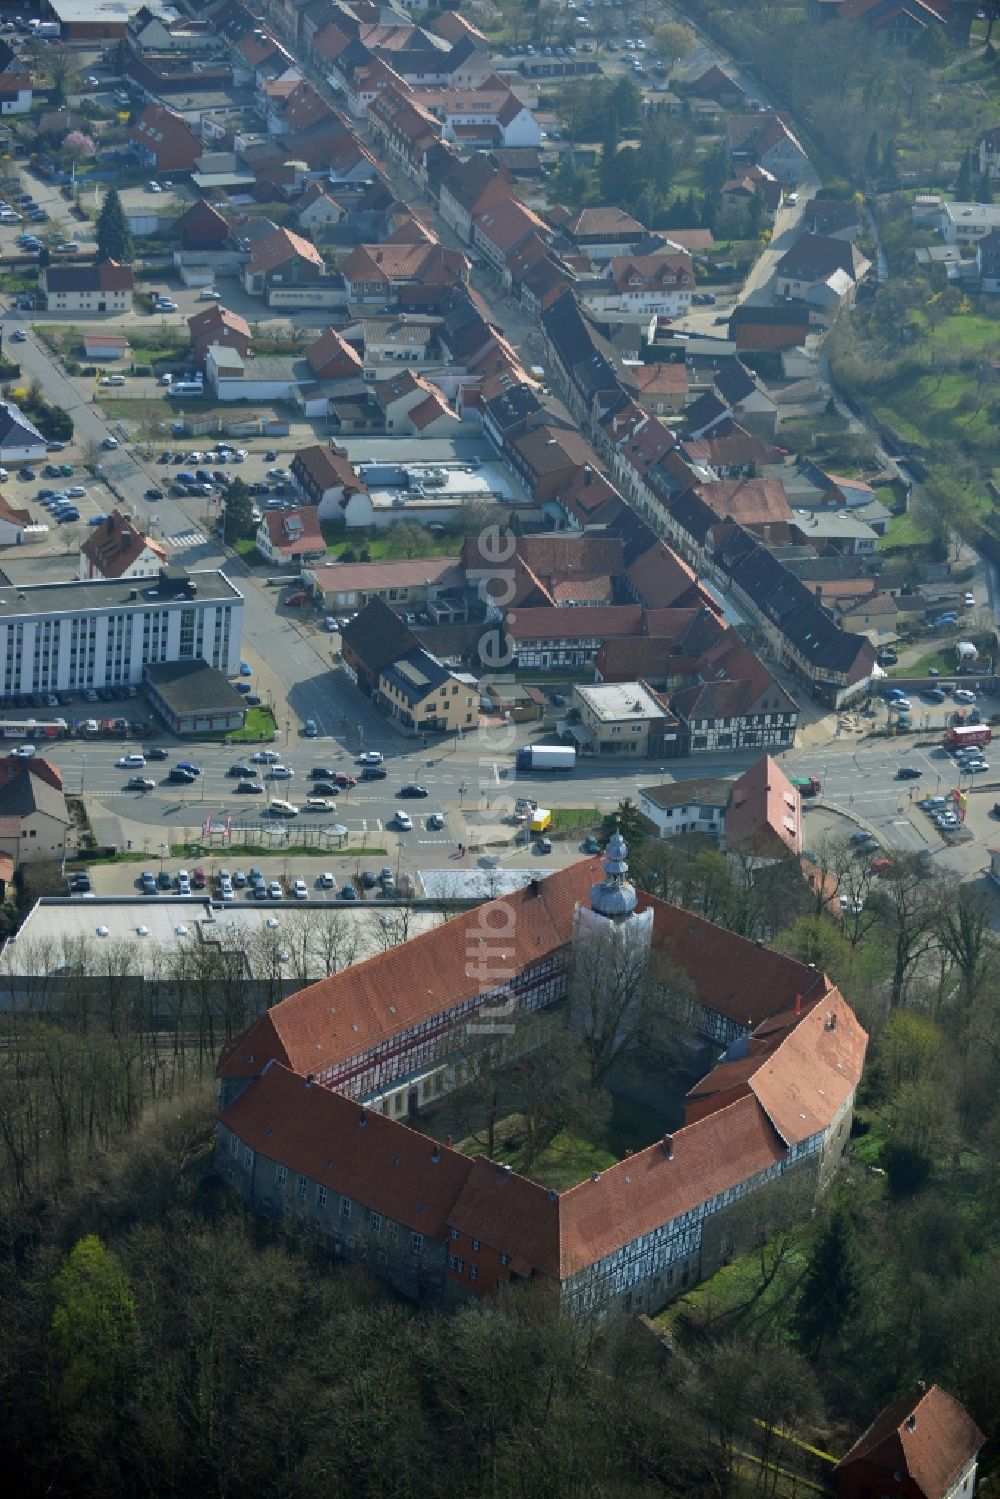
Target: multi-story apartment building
{"points": [[105, 632]]}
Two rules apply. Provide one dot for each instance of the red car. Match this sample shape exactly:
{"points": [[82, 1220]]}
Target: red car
{"points": [[198, 879], [343, 779]]}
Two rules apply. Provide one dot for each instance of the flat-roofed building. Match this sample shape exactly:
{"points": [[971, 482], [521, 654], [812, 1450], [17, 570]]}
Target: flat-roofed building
{"points": [[105, 632]]}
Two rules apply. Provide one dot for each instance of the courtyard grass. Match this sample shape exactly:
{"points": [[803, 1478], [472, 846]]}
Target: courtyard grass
{"points": [[942, 661]]}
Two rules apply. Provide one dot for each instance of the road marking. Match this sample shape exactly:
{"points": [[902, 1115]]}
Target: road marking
{"points": [[183, 540]]}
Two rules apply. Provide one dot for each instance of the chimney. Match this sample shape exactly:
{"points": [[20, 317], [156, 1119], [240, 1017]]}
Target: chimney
{"points": [[911, 1423], [588, 473], [111, 521], [668, 1147], [309, 1080], [449, 1142], [126, 540], [798, 1004], [436, 1157], [831, 1020]]}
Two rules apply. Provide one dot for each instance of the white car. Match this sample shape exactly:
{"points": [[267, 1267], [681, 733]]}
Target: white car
{"points": [[280, 808], [209, 294], [280, 773], [327, 881], [183, 882], [77, 492], [370, 757], [264, 757], [154, 187], [110, 443], [970, 601], [226, 892], [131, 762], [320, 804], [300, 891], [964, 695], [23, 751], [404, 821]]}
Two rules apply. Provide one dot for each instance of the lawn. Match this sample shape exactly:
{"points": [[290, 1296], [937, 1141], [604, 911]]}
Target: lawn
{"points": [[246, 548], [567, 822], [902, 531], [259, 725], [384, 546], [940, 660], [570, 1158]]}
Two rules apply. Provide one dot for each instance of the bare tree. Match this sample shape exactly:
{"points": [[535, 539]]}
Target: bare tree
{"points": [[622, 996]]}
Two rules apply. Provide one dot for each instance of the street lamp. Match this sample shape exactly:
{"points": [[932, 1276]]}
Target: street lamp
{"points": [[462, 789]]}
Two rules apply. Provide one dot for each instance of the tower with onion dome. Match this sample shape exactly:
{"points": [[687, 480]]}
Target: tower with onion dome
{"points": [[612, 917]]}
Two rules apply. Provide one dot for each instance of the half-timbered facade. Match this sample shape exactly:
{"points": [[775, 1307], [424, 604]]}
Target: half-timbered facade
{"points": [[320, 1095]]}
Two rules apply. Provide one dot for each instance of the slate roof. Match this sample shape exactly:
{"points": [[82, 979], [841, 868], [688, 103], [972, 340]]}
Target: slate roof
{"points": [[107, 276], [377, 635], [27, 793]]}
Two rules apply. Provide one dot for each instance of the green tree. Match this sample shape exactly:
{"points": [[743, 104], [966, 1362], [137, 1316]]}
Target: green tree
{"points": [[93, 1327], [831, 1287], [625, 818], [963, 187], [238, 520], [114, 237], [872, 157]]}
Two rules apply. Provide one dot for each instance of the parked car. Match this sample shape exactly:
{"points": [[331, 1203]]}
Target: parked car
{"points": [[908, 773], [404, 821]]}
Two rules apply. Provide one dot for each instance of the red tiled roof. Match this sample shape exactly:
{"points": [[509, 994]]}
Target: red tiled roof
{"points": [[113, 547], [599, 622], [928, 1437], [765, 804], [319, 1134], [511, 1214], [660, 577], [816, 1068], [352, 1011], [650, 1188], [294, 530]]}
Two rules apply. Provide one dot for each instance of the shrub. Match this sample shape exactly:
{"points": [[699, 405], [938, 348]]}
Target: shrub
{"points": [[907, 1167]]}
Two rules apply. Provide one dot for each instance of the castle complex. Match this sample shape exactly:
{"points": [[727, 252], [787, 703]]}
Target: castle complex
{"points": [[318, 1096]]}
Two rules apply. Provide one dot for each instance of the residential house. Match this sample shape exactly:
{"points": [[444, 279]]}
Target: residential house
{"points": [[202, 227], [375, 638], [217, 326], [735, 703], [988, 261], [12, 523], [15, 93], [20, 439], [425, 697], [765, 137], [764, 816], [816, 261], [546, 458], [967, 223], [836, 665], [499, 231], [874, 616], [756, 329], [660, 282], [343, 586], [325, 477], [751, 181], [989, 154], [716, 83], [105, 287], [281, 258], [923, 1446], [841, 531], [414, 408], [696, 804], [118, 548], [331, 357], [317, 210], [746, 398], [625, 719], [660, 389], [164, 142], [419, 274], [834, 218], [547, 639], [290, 536], [33, 816], [469, 188], [599, 233]]}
